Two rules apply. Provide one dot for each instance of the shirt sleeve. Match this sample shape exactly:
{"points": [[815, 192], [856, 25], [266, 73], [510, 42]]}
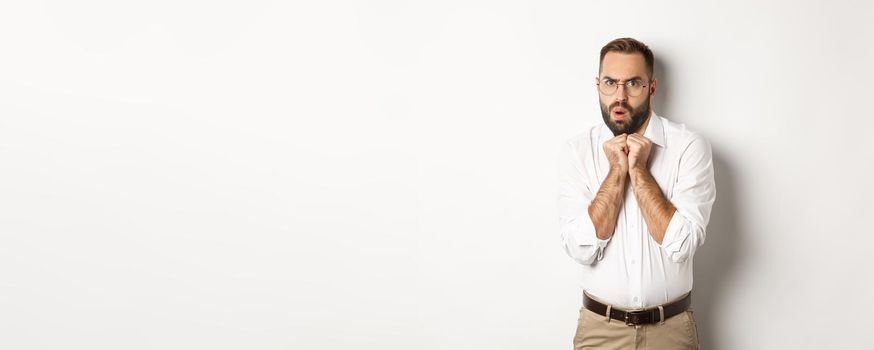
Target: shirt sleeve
{"points": [[578, 238], [693, 196]]}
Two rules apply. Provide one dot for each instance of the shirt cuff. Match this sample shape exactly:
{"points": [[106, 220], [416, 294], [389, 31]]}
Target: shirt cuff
{"points": [[588, 236], [602, 243], [675, 235]]}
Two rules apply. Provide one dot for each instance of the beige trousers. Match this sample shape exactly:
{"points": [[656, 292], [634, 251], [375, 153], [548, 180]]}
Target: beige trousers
{"points": [[596, 332]]}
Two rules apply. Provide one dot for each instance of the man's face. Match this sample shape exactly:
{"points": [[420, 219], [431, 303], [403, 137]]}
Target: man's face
{"points": [[621, 112]]}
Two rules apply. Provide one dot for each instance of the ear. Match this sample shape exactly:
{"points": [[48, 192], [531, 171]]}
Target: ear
{"points": [[653, 87]]}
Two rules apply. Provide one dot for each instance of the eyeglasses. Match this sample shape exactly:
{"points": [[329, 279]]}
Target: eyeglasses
{"points": [[609, 86]]}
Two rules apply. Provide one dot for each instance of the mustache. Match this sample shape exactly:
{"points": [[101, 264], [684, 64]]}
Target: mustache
{"points": [[621, 104]]}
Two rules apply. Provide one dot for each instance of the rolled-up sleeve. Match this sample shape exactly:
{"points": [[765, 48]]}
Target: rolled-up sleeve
{"points": [[693, 196], [578, 238]]}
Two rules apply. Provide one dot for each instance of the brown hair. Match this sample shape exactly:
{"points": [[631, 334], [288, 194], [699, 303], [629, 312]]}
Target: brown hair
{"points": [[628, 45]]}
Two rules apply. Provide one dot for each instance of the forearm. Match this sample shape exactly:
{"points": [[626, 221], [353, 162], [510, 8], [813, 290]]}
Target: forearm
{"points": [[657, 210], [604, 209]]}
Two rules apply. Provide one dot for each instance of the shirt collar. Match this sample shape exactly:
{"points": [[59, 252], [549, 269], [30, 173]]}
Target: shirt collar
{"points": [[655, 131]]}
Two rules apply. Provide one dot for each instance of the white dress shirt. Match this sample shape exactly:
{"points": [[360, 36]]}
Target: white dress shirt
{"points": [[630, 270]]}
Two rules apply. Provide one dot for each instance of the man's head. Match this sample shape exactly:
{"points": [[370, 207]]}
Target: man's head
{"points": [[625, 84]]}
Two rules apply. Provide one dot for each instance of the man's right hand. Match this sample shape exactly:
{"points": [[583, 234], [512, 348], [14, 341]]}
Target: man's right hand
{"points": [[604, 209], [616, 150]]}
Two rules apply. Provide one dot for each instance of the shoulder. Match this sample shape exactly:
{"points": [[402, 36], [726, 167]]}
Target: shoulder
{"points": [[682, 139], [576, 154], [583, 141]]}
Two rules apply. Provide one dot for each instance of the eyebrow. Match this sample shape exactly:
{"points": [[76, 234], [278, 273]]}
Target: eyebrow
{"points": [[632, 78]]}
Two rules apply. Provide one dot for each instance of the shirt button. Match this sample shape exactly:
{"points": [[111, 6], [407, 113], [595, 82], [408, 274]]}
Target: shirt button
{"points": [[635, 299], [633, 262]]}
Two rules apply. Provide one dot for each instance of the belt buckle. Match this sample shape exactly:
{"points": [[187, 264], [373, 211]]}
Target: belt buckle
{"points": [[628, 317]]}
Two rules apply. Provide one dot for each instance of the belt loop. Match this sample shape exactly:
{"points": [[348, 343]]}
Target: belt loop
{"points": [[609, 307], [661, 315]]}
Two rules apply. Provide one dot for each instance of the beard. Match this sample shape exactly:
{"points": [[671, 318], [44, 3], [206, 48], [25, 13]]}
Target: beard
{"points": [[637, 116]]}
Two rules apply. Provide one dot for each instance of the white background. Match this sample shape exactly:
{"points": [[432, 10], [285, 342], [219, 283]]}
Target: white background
{"points": [[381, 175]]}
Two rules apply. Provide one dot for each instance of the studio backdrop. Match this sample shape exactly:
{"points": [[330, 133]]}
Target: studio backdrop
{"points": [[382, 174]]}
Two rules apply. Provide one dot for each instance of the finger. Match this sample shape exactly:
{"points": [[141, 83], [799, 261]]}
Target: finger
{"points": [[640, 138]]}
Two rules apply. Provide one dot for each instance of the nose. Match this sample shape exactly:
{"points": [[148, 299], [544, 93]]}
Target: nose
{"points": [[621, 94]]}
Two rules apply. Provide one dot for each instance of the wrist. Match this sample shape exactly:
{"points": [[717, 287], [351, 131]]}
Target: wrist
{"points": [[619, 168], [636, 173], [638, 169]]}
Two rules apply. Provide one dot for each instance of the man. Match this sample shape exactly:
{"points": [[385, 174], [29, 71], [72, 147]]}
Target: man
{"points": [[634, 200]]}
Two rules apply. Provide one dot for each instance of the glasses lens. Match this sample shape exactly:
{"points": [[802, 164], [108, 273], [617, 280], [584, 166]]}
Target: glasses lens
{"points": [[607, 87], [634, 88]]}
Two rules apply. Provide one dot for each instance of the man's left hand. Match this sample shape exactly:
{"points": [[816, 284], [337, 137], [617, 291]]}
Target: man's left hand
{"points": [[639, 148]]}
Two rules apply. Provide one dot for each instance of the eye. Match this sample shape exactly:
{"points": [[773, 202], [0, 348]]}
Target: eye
{"points": [[633, 83], [609, 82]]}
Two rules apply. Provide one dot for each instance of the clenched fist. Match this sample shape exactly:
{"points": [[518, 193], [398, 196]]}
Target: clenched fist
{"points": [[617, 150], [639, 149]]}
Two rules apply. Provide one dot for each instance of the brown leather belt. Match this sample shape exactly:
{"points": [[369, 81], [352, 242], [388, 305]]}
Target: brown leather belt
{"points": [[639, 317]]}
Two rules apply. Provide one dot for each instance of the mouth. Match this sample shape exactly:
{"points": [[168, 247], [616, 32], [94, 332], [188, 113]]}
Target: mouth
{"points": [[619, 113]]}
